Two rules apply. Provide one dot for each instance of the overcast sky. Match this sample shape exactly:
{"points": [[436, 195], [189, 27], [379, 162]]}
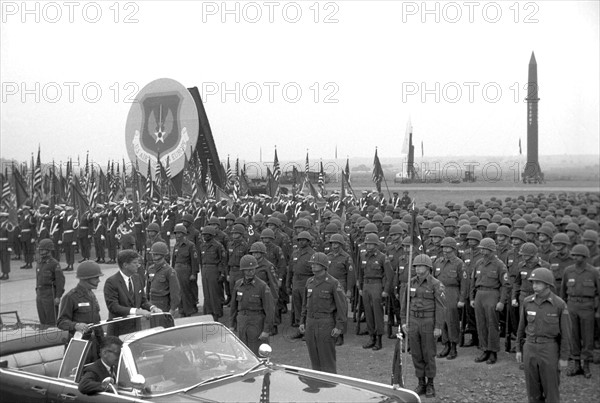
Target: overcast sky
{"points": [[362, 69]]}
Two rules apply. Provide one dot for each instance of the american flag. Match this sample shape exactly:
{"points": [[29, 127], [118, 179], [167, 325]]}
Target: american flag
{"points": [[92, 192], [149, 181], [321, 181], [306, 166], [415, 230], [210, 188], [168, 167], [6, 191], [37, 179], [377, 172], [276, 168]]}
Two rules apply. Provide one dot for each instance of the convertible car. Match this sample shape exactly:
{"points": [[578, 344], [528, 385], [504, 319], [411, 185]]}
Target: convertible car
{"points": [[194, 360]]}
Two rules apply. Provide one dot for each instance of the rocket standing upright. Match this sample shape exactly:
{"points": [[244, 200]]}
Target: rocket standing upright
{"points": [[532, 171]]}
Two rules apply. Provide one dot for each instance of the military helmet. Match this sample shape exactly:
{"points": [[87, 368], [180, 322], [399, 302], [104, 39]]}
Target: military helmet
{"points": [[491, 227], [180, 228], [267, 233], [561, 237], [530, 228], [406, 241], [580, 250], [488, 243], [301, 223], [474, 234], [503, 230], [542, 274], [519, 234], [377, 217], [320, 258], [46, 244], [88, 270], [337, 238], [187, 218], [304, 235], [438, 232], [546, 230], [248, 262], [274, 221], [241, 221], [573, 227], [370, 228], [258, 217], [331, 228], [230, 216], [153, 227], [214, 221], [450, 222], [422, 260], [528, 249], [258, 247], [208, 230], [449, 241], [372, 239], [520, 223], [395, 229], [327, 214], [465, 229], [159, 248], [590, 235], [238, 229]]}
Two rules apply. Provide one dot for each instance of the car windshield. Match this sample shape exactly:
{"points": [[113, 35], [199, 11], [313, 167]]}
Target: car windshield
{"points": [[182, 357]]}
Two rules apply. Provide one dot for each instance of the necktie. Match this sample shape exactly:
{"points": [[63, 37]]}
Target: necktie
{"points": [[130, 286]]}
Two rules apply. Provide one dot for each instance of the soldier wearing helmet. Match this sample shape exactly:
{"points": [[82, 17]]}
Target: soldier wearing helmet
{"points": [[50, 284], [186, 264], [502, 236], [5, 249], [153, 236], [277, 257], [450, 271], [280, 239], [213, 263], [522, 287], [342, 269], [543, 338], [375, 277], [236, 248], [99, 232], [163, 286], [580, 288], [79, 308], [561, 258], [299, 271], [590, 239], [471, 257], [324, 314], [544, 235], [220, 236], [252, 306], [425, 321], [396, 255], [267, 272], [488, 291], [193, 235]]}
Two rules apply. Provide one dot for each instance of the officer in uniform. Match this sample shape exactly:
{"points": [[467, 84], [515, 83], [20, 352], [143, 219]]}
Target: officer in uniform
{"points": [[5, 229], [449, 270], [544, 332], [375, 279], [324, 314], [50, 284], [561, 258], [426, 319], [163, 286], [237, 247], [111, 233], [342, 269], [84, 236], [488, 290], [213, 261], [28, 236], [581, 289], [68, 241], [267, 273], [79, 308], [185, 263], [251, 306], [99, 233], [522, 288], [153, 237], [276, 256], [395, 253], [298, 273], [194, 236]]}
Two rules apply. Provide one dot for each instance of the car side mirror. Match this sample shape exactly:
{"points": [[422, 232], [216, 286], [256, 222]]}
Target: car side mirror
{"points": [[264, 351], [138, 381]]}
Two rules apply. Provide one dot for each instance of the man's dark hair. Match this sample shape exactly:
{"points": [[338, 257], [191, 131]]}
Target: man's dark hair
{"points": [[126, 256], [108, 341]]}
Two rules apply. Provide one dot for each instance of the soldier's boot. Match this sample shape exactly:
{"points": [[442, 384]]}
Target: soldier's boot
{"points": [[371, 342], [574, 368], [492, 358], [586, 369], [377, 345], [445, 351], [429, 388], [421, 388], [452, 355], [483, 356]]}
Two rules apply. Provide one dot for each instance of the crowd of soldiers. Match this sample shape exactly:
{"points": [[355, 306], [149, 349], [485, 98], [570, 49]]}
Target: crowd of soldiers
{"points": [[483, 252]]}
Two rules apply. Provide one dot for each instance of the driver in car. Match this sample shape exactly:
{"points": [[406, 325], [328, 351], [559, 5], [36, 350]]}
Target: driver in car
{"points": [[98, 376]]}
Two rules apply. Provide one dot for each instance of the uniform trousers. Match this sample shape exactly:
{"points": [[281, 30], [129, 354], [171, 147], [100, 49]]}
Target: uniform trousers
{"points": [[451, 328], [422, 345], [542, 376], [487, 319], [582, 328], [250, 326], [372, 301], [47, 311], [320, 343], [213, 293], [187, 306]]}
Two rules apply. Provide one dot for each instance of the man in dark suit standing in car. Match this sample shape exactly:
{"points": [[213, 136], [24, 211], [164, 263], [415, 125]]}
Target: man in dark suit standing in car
{"points": [[124, 294]]}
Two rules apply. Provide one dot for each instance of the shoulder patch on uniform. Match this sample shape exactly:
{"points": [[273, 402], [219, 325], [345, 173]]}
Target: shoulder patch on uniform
{"points": [[505, 277]]}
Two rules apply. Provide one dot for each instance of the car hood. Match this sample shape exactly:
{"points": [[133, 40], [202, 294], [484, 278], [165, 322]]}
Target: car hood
{"points": [[291, 384]]}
